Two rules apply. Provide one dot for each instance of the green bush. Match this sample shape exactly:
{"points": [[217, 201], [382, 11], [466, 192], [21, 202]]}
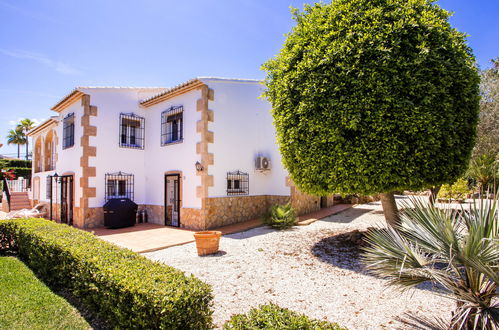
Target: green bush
{"points": [[272, 316], [458, 190], [25, 172], [280, 217], [8, 163], [124, 287]]}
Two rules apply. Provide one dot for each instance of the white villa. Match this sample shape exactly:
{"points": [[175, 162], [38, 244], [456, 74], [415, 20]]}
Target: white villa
{"points": [[199, 155]]}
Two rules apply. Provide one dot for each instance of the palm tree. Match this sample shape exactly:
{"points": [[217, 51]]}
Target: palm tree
{"points": [[484, 169], [25, 125], [16, 136], [457, 249]]}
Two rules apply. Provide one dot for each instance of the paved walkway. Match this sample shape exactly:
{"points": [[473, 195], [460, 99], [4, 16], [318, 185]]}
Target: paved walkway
{"points": [[148, 237]]}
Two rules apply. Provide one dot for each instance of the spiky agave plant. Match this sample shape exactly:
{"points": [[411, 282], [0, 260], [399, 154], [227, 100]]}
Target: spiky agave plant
{"points": [[458, 249]]}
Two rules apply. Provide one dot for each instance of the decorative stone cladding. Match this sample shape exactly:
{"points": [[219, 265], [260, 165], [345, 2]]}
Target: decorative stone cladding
{"points": [[192, 218], [85, 217], [303, 203], [206, 137], [221, 211], [155, 213]]}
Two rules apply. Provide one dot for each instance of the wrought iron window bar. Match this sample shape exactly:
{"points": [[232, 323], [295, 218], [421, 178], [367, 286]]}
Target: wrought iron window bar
{"points": [[172, 125], [132, 131], [119, 185], [68, 131], [237, 183]]}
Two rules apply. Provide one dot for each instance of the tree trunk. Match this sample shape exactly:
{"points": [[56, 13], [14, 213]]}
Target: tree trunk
{"points": [[18, 151], [390, 208], [26, 149], [433, 194]]}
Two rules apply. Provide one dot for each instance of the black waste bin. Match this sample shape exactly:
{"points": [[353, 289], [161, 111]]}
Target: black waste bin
{"points": [[119, 213]]}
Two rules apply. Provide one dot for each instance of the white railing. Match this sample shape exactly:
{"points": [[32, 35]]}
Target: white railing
{"points": [[18, 185]]}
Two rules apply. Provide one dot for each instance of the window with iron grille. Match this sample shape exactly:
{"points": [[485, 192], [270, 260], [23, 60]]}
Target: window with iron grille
{"points": [[68, 131], [237, 183], [49, 187], [119, 185], [131, 131], [172, 125]]}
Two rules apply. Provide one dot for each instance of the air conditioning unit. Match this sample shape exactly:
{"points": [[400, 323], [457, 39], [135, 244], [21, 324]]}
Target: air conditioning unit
{"points": [[262, 163]]}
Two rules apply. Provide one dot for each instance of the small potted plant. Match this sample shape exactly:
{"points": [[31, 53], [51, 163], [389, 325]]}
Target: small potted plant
{"points": [[207, 242]]}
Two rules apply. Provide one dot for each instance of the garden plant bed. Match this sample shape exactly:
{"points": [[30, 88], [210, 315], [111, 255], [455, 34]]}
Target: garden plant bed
{"points": [[27, 303], [312, 269]]}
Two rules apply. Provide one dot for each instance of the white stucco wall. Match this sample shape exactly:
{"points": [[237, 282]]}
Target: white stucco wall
{"points": [[111, 157], [243, 130], [173, 157]]}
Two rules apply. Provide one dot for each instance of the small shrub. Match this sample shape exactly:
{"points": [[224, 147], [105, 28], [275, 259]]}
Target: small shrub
{"points": [[124, 287], [280, 216], [457, 191], [272, 316]]}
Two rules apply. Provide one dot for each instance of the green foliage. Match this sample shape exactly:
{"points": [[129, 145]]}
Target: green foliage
{"points": [[457, 249], [24, 172], [485, 170], [488, 125], [272, 317], [280, 216], [122, 286], [27, 303], [373, 96], [458, 190], [9, 163]]}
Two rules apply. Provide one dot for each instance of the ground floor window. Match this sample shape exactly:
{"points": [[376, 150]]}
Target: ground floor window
{"points": [[119, 185], [237, 183]]}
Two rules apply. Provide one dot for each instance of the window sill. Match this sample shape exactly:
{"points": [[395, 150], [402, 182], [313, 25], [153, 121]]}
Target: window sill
{"points": [[172, 142], [131, 146], [68, 147]]}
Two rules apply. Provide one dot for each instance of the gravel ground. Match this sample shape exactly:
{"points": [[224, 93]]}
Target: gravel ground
{"points": [[306, 270]]}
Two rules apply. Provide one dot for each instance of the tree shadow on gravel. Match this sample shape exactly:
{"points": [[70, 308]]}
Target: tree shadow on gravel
{"points": [[343, 249], [348, 215]]}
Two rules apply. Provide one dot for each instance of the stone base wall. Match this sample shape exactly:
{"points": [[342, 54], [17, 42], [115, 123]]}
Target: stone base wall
{"points": [[304, 203], [91, 217], [155, 213], [222, 211], [191, 218]]}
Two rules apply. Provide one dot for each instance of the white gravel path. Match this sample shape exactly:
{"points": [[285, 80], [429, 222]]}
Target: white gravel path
{"points": [[297, 269]]}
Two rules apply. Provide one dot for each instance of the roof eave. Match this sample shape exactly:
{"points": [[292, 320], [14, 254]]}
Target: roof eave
{"points": [[68, 100], [41, 127], [175, 91]]}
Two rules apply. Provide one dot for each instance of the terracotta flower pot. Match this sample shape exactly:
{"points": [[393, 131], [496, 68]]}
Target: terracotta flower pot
{"points": [[207, 242]]}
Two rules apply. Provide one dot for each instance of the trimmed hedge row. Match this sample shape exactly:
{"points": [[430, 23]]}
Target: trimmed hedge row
{"points": [[5, 163], [272, 316], [123, 287]]}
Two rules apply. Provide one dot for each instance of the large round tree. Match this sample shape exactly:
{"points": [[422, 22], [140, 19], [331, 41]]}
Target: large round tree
{"points": [[374, 96]]}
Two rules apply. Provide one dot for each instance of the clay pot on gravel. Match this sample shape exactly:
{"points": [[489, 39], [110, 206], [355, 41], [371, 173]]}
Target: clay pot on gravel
{"points": [[207, 242]]}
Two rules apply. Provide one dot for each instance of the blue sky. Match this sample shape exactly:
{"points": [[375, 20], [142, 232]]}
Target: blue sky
{"points": [[47, 47]]}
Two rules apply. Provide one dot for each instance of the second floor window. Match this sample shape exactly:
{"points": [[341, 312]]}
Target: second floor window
{"points": [[172, 125], [131, 131], [68, 131]]}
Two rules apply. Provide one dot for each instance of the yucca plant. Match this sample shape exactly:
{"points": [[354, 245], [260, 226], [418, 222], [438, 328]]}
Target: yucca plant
{"points": [[457, 249], [280, 216]]}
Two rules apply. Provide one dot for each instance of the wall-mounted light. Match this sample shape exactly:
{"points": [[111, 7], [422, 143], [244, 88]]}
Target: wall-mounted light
{"points": [[199, 167]]}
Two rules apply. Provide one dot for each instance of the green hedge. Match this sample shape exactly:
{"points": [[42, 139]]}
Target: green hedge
{"points": [[5, 163], [123, 287], [272, 316]]}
